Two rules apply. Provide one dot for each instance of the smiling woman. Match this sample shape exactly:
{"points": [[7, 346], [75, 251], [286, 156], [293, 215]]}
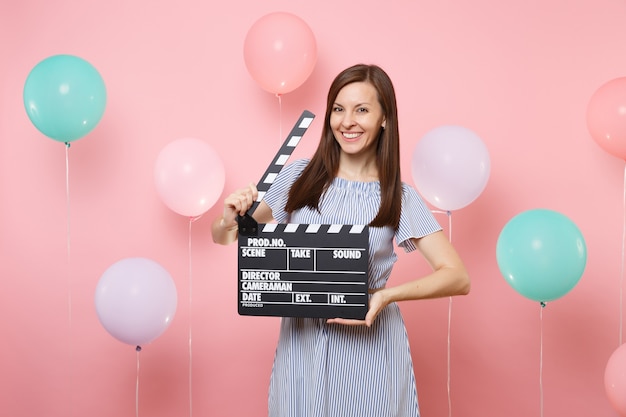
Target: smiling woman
{"points": [[353, 178]]}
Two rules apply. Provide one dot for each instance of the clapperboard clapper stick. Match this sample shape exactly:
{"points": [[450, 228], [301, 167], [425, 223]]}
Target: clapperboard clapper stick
{"points": [[300, 270]]}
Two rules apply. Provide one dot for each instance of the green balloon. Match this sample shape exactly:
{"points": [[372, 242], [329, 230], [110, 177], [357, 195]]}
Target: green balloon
{"points": [[541, 254], [64, 97]]}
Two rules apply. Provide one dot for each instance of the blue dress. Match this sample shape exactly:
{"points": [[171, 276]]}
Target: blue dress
{"points": [[332, 370]]}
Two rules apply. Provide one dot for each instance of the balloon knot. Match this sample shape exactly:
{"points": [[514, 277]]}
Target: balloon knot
{"points": [[194, 218], [543, 304], [138, 348], [67, 144]]}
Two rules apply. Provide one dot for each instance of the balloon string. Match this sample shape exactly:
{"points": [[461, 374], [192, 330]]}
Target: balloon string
{"points": [[69, 276], [449, 361], [190, 315], [68, 243], [280, 119], [449, 383], [138, 349], [621, 284], [67, 194], [542, 304]]}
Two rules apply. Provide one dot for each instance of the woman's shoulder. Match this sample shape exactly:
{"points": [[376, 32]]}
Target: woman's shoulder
{"points": [[300, 163], [289, 173], [408, 190], [410, 196], [296, 167]]}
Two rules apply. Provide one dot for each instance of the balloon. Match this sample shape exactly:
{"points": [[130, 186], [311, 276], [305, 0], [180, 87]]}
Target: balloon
{"points": [[615, 380], [606, 117], [64, 97], [280, 52], [189, 176], [541, 254], [135, 300], [450, 167]]}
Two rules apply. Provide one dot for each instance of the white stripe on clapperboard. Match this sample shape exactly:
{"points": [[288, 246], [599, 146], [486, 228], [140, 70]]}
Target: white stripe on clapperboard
{"points": [[292, 142], [313, 228], [306, 122], [282, 160]]}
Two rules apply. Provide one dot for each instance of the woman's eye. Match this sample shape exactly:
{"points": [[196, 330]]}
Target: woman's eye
{"points": [[362, 110], [337, 109]]}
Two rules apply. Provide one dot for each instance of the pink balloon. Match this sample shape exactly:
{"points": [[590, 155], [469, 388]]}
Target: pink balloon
{"points": [[606, 117], [615, 380], [280, 52], [135, 300], [189, 176], [450, 167]]}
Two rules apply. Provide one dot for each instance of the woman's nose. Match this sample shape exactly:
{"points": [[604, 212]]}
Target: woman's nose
{"points": [[348, 120]]}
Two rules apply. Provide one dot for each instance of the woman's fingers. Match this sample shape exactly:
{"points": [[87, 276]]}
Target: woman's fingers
{"points": [[240, 201]]}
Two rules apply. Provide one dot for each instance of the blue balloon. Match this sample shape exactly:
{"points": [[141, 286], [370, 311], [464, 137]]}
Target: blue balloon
{"points": [[64, 97], [542, 254]]}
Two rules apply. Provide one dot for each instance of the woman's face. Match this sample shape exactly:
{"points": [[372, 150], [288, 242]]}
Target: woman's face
{"points": [[356, 118]]}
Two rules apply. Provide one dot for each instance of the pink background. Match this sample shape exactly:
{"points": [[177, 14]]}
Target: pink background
{"points": [[519, 74]]}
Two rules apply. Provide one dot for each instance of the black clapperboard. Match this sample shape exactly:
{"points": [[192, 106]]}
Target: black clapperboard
{"points": [[300, 270]]}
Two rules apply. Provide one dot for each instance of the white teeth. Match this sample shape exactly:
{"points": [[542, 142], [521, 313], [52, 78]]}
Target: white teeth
{"points": [[351, 135]]}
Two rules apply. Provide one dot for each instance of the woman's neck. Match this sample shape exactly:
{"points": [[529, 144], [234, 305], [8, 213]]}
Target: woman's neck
{"points": [[363, 169]]}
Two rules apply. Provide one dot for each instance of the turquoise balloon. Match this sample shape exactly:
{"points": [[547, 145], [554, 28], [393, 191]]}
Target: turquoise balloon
{"points": [[64, 97], [541, 254]]}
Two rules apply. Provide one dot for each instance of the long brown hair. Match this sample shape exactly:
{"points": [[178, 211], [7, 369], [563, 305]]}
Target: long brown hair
{"points": [[324, 164]]}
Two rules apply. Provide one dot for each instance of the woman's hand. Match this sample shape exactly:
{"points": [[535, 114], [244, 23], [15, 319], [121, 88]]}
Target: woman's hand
{"points": [[224, 228], [238, 203], [377, 303]]}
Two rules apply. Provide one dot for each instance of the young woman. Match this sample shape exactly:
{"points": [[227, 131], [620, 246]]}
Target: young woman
{"points": [[344, 367]]}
